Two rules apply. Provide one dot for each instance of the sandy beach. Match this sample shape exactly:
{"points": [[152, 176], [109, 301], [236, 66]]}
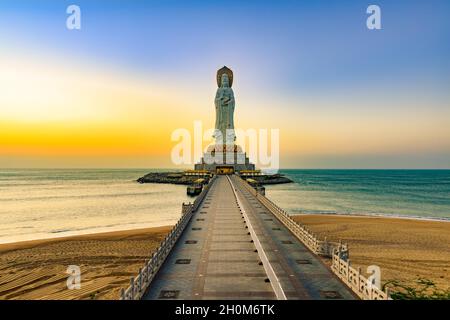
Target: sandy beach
{"points": [[404, 249], [37, 269]]}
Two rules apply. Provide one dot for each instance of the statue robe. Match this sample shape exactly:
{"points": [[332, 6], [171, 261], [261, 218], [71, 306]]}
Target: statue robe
{"points": [[224, 102]]}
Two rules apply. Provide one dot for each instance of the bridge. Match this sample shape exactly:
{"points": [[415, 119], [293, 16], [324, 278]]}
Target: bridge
{"points": [[234, 243]]}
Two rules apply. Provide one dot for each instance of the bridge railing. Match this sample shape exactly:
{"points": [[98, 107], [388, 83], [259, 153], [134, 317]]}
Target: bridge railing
{"points": [[338, 252], [306, 236], [139, 284], [363, 287]]}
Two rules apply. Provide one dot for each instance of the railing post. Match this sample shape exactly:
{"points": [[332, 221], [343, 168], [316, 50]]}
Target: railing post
{"points": [[147, 268], [140, 281], [387, 292], [358, 282], [348, 269], [132, 288]]}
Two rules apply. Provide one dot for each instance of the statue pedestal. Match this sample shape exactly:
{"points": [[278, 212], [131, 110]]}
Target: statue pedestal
{"points": [[224, 159]]}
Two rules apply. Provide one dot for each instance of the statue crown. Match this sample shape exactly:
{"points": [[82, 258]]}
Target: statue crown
{"points": [[228, 72]]}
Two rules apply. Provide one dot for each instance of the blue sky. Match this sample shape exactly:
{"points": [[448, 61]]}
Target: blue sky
{"points": [[309, 47]]}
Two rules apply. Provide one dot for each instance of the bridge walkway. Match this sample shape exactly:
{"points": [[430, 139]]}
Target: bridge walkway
{"points": [[216, 256]]}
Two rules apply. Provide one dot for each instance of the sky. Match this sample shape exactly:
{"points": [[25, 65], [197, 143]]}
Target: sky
{"points": [[112, 93]]}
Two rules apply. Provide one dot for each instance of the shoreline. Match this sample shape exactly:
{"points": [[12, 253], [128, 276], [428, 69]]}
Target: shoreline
{"points": [[374, 215], [116, 234], [97, 231], [100, 231]]}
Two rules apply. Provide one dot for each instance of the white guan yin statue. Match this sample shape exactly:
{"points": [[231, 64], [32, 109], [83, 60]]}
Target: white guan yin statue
{"points": [[224, 101], [224, 154]]}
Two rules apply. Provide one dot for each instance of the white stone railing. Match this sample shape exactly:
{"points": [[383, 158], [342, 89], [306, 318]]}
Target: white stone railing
{"points": [[353, 278], [140, 283], [312, 241]]}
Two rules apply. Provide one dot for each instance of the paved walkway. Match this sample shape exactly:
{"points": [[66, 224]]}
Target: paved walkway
{"points": [[216, 257]]}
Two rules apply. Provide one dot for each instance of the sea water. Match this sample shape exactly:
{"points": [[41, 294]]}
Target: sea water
{"points": [[405, 193], [38, 203]]}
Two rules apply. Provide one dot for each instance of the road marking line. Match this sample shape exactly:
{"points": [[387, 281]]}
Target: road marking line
{"points": [[274, 281]]}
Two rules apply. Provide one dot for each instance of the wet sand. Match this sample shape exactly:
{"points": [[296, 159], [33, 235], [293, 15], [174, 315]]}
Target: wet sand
{"points": [[404, 249]]}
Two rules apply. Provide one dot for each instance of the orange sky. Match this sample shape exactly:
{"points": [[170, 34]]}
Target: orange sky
{"points": [[68, 117]]}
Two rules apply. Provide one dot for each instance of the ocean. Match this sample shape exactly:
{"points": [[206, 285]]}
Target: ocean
{"points": [[37, 204], [404, 193], [44, 203]]}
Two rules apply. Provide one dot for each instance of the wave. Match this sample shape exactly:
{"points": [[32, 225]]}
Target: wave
{"points": [[367, 214]]}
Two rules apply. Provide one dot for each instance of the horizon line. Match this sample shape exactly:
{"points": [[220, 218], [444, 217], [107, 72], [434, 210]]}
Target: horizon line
{"points": [[175, 168]]}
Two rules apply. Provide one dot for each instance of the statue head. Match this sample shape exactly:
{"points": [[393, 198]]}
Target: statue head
{"points": [[229, 74], [225, 82]]}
